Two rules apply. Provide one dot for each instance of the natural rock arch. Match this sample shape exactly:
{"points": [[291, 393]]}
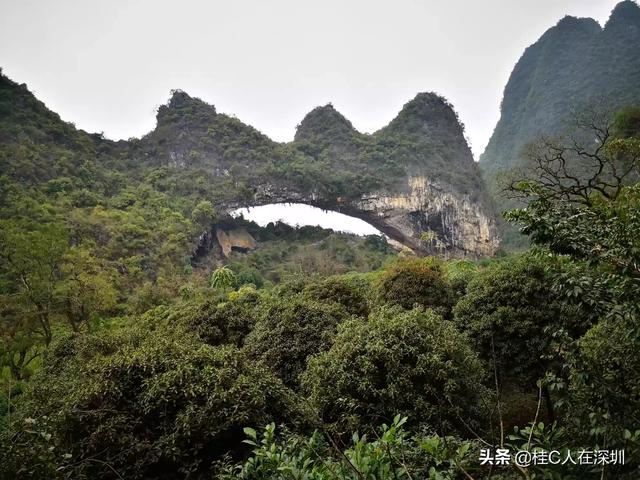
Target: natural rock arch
{"points": [[415, 179], [458, 225]]}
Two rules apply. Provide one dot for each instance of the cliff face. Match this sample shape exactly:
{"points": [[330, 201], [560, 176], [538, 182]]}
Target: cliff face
{"points": [[573, 64], [429, 218], [234, 239]]}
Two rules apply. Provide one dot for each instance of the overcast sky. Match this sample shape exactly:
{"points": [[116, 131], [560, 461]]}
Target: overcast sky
{"points": [[107, 65], [297, 214]]}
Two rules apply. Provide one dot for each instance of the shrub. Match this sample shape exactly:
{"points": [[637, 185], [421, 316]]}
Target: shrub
{"points": [[506, 310], [350, 291], [415, 281], [391, 454], [410, 362], [221, 323], [459, 274], [152, 405], [604, 383], [290, 330]]}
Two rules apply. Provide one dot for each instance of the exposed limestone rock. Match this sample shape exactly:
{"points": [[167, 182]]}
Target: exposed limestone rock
{"points": [[235, 239], [451, 221]]}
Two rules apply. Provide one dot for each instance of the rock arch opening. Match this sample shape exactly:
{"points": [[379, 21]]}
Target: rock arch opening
{"points": [[301, 214]]}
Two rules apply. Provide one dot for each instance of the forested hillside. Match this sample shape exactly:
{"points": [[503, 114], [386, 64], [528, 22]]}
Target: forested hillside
{"points": [[575, 65], [408, 371]]}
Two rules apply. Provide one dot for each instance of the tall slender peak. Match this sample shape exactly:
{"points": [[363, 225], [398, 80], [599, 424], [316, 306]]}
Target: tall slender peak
{"points": [[324, 123], [626, 12]]}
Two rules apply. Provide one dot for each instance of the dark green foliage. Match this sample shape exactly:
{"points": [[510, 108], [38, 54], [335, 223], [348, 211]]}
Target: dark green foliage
{"points": [[285, 251], [604, 383], [31, 453], [392, 454], [227, 161], [222, 319], [408, 362], [94, 233], [427, 131], [228, 322], [149, 405], [459, 273], [350, 291], [626, 122], [510, 312], [592, 225], [416, 281], [292, 329], [592, 222]]}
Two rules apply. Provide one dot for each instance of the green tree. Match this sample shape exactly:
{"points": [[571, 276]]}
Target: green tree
{"points": [[510, 311], [223, 278], [582, 201], [412, 362], [351, 291], [290, 330], [86, 288], [203, 215], [18, 345], [31, 257], [603, 397], [157, 404], [415, 281], [592, 216], [219, 323]]}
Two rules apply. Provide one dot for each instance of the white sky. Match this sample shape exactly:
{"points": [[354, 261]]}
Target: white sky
{"points": [[106, 65], [298, 214]]}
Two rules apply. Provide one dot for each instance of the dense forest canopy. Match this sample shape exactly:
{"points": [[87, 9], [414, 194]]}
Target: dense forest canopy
{"points": [[132, 345]]}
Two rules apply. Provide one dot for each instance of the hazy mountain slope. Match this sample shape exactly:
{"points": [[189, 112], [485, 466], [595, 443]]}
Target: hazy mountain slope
{"points": [[574, 63]]}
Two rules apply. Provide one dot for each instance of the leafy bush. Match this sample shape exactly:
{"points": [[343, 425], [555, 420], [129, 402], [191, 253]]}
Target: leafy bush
{"points": [[220, 323], [506, 310], [415, 281], [151, 405], [223, 278], [350, 291], [392, 455], [604, 383], [411, 362], [290, 330]]}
